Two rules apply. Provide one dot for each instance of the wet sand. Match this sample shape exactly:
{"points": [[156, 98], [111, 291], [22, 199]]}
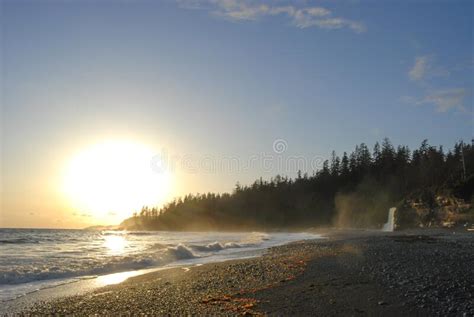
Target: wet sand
{"points": [[410, 273]]}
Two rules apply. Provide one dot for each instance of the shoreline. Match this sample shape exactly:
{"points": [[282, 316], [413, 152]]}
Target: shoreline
{"points": [[85, 285], [352, 272], [50, 290]]}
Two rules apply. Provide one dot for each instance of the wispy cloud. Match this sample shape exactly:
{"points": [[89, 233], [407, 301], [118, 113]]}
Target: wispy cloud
{"points": [[425, 67], [420, 68], [446, 99], [443, 100], [252, 10]]}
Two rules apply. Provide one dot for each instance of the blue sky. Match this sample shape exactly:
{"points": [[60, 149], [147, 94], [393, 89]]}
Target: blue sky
{"points": [[226, 78]]}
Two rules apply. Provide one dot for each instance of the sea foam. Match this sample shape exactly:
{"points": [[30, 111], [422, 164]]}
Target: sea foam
{"points": [[36, 258]]}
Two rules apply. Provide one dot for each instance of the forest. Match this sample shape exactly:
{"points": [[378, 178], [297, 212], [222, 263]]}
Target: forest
{"points": [[352, 190]]}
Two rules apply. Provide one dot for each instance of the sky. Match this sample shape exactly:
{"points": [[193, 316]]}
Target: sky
{"points": [[219, 91]]}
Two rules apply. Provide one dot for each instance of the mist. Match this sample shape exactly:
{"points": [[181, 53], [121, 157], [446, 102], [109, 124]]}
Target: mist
{"points": [[365, 207]]}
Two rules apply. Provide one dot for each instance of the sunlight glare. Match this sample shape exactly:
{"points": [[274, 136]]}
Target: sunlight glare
{"points": [[115, 278], [112, 179], [115, 244]]}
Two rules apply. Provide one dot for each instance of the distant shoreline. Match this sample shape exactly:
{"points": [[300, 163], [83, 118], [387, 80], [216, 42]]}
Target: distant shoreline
{"points": [[352, 272]]}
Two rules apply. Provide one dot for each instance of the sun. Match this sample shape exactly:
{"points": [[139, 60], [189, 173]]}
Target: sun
{"points": [[111, 179]]}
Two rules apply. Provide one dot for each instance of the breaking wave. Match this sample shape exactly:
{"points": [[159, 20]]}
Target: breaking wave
{"points": [[30, 256], [181, 252], [216, 246]]}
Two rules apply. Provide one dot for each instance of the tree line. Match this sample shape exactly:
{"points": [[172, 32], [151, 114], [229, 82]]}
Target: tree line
{"points": [[354, 189]]}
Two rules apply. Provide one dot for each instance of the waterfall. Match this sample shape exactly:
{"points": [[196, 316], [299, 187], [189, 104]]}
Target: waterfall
{"points": [[390, 225]]}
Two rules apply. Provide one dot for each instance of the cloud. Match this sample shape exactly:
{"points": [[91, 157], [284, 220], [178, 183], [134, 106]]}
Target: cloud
{"points": [[446, 99], [253, 10], [339, 23], [425, 67], [420, 68], [443, 100]]}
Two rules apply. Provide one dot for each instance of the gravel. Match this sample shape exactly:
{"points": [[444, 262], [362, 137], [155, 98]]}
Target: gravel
{"points": [[351, 273]]}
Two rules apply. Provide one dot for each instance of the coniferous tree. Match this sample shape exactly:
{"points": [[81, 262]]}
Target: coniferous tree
{"points": [[361, 184]]}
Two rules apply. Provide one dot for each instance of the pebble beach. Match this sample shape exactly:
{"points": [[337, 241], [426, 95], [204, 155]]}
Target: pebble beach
{"points": [[410, 273]]}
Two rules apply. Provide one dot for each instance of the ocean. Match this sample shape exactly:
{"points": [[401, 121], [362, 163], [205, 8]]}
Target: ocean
{"points": [[35, 259]]}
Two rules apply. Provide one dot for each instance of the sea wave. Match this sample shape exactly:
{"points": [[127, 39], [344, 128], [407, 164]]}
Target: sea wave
{"points": [[35, 258], [18, 241], [141, 233], [25, 274], [156, 255], [33, 274], [181, 252], [217, 246]]}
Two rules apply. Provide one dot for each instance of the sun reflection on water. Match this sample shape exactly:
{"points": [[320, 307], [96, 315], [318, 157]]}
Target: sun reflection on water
{"points": [[115, 244], [115, 278]]}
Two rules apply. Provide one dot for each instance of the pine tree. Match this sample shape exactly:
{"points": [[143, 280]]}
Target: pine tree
{"points": [[335, 164]]}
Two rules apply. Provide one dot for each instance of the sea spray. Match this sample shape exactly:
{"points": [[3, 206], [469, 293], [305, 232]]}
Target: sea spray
{"points": [[33, 259]]}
